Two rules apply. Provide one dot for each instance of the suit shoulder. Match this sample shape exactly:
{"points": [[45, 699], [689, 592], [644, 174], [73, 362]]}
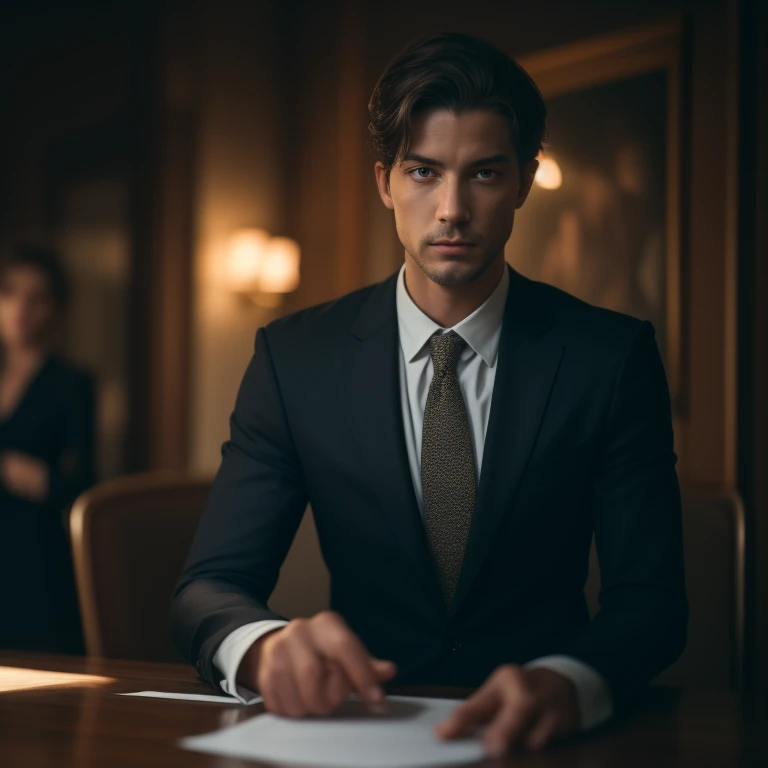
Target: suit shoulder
{"points": [[579, 320], [321, 320]]}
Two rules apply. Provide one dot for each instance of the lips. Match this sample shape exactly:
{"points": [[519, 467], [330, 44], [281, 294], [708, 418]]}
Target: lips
{"points": [[453, 247]]}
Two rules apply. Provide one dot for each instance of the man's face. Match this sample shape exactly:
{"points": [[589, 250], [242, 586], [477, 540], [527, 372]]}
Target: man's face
{"points": [[459, 182]]}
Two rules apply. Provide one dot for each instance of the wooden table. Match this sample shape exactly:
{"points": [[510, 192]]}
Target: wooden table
{"points": [[67, 714]]}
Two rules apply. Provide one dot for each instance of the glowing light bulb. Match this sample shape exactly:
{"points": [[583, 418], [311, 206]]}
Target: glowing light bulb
{"points": [[245, 257], [548, 174], [280, 266]]}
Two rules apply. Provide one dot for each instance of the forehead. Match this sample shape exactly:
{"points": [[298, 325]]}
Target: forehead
{"points": [[460, 137]]}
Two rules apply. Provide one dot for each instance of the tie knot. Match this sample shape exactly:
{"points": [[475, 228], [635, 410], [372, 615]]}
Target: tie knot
{"points": [[445, 349]]}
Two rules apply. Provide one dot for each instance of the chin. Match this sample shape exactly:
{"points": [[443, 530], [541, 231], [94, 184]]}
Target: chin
{"points": [[452, 273]]}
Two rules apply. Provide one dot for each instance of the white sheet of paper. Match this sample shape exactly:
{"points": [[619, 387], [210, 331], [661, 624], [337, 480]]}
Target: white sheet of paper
{"points": [[352, 736], [190, 697]]}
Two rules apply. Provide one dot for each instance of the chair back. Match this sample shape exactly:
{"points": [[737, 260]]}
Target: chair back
{"points": [[130, 539]]}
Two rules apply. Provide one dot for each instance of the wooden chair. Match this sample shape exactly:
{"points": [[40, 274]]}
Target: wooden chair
{"points": [[713, 534], [130, 538]]}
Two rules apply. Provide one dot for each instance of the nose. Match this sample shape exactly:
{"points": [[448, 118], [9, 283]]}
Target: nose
{"points": [[453, 206]]}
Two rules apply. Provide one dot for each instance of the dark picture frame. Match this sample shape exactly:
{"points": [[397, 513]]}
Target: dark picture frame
{"points": [[610, 233]]}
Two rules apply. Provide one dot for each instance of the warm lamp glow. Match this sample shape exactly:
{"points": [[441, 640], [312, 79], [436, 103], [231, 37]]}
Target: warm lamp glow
{"points": [[245, 252], [548, 174], [262, 267], [280, 266]]}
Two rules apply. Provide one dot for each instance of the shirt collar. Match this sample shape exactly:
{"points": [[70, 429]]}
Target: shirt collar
{"points": [[480, 330]]}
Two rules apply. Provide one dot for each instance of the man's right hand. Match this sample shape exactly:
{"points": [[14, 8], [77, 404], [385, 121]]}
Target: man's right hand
{"points": [[310, 666]]}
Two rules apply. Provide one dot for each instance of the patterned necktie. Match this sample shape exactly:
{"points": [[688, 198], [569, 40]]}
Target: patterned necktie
{"points": [[447, 464]]}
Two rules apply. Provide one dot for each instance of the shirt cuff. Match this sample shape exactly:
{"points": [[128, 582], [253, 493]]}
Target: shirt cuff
{"points": [[231, 651], [592, 690]]}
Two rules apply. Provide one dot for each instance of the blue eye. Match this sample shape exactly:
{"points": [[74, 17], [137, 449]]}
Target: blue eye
{"points": [[486, 170], [416, 175]]}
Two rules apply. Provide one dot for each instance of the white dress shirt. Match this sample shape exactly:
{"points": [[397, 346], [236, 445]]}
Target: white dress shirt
{"points": [[476, 372]]}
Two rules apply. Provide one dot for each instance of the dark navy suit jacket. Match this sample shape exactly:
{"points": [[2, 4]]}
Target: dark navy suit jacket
{"points": [[579, 440]]}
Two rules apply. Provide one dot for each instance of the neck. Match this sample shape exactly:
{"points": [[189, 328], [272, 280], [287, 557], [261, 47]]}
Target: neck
{"points": [[23, 358], [448, 305]]}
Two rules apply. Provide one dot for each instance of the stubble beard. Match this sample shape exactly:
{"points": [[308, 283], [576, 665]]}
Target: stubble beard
{"points": [[455, 276]]}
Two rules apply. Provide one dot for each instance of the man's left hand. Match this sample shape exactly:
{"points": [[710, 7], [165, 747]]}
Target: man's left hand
{"points": [[518, 707]]}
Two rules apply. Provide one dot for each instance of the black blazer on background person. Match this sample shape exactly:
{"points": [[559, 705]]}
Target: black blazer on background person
{"points": [[53, 422], [579, 439]]}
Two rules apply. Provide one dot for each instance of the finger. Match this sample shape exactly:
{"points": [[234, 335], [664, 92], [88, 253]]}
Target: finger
{"points": [[271, 702], [290, 695], [339, 644], [543, 732], [308, 672], [477, 710], [508, 727], [271, 697], [277, 706], [280, 684], [337, 685], [384, 670]]}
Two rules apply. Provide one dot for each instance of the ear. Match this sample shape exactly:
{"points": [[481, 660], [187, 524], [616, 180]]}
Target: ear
{"points": [[382, 181], [527, 175]]}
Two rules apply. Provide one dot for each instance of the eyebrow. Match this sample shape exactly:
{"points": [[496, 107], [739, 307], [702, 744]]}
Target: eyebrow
{"points": [[500, 158]]}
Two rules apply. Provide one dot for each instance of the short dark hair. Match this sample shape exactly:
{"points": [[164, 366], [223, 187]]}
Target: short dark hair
{"points": [[457, 72], [47, 262]]}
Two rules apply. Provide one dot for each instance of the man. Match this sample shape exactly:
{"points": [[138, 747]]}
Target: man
{"points": [[460, 432]]}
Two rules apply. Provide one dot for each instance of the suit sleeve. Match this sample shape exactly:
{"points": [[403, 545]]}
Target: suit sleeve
{"points": [[641, 627], [249, 522]]}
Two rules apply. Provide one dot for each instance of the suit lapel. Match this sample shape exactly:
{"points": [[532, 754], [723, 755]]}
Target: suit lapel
{"points": [[528, 361], [368, 372]]}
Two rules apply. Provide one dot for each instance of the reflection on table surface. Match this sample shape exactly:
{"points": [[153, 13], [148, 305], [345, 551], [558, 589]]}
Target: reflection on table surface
{"points": [[63, 711]]}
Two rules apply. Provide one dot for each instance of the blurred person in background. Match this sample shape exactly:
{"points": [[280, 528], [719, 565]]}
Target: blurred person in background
{"points": [[46, 456]]}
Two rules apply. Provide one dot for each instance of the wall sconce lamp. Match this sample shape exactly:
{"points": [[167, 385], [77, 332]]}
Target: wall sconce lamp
{"points": [[261, 267], [548, 174]]}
